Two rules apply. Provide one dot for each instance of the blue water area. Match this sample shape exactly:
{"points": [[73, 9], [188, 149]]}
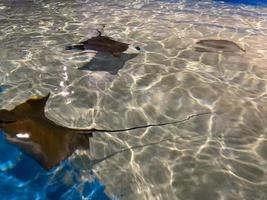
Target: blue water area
{"points": [[247, 2], [236, 2], [2, 88], [23, 178]]}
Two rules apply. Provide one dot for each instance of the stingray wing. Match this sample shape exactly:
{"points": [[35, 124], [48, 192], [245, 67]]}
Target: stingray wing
{"points": [[34, 107], [46, 142], [7, 117], [105, 44]]}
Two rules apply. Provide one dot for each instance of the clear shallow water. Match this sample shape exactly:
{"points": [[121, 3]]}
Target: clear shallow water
{"points": [[216, 156]]}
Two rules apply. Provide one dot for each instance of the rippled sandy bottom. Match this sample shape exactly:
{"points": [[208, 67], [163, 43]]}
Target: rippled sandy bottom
{"points": [[222, 155]]}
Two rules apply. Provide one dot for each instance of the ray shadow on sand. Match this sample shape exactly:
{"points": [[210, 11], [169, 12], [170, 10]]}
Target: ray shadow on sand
{"points": [[104, 61]]}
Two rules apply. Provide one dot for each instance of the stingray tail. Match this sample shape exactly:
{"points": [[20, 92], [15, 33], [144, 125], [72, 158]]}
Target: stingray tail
{"points": [[91, 131], [75, 47]]}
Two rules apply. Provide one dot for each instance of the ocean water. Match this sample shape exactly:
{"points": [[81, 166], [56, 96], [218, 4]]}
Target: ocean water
{"points": [[217, 151]]}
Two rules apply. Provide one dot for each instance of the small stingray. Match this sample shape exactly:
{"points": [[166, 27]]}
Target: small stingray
{"points": [[103, 61], [47, 142], [218, 46], [102, 44]]}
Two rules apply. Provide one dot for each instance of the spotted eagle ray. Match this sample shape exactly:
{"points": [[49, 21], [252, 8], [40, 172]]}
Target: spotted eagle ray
{"points": [[101, 43], [48, 143], [217, 46]]}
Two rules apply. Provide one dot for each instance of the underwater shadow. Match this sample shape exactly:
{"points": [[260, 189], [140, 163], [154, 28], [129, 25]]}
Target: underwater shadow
{"points": [[104, 61]]}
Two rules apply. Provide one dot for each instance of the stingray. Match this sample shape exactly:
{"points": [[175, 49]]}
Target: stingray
{"points": [[27, 127], [47, 142], [103, 61], [217, 46], [101, 43]]}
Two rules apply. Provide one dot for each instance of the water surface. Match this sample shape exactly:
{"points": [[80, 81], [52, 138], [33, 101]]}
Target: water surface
{"points": [[221, 155]]}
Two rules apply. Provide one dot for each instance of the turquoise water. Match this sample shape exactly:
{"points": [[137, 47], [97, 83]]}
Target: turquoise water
{"points": [[220, 155], [22, 178], [248, 2]]}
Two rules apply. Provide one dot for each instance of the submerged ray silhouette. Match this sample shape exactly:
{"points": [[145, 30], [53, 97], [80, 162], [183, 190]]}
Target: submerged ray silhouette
{"points": [[211, 45], [106, 62]]}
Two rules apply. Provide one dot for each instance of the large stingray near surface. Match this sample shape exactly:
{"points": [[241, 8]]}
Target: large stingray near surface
{"points": [[101, 43], [211, 45], [47, 142]]}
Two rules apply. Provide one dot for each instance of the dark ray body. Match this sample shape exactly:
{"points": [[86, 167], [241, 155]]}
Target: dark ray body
{"points": [[217, 46], [101, 44], [103, 61], [47, 142]]}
